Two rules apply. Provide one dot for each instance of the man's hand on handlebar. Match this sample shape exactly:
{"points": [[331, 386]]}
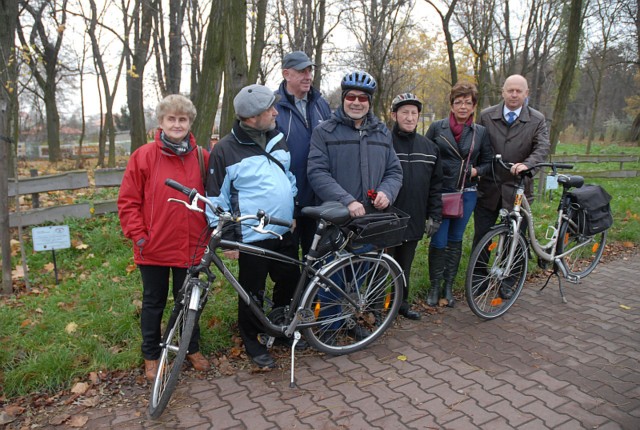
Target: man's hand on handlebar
{"points": [[517, 168]]}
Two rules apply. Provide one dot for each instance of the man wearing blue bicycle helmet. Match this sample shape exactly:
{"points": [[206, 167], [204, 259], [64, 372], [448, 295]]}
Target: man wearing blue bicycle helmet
{"points": [[352, 159]]}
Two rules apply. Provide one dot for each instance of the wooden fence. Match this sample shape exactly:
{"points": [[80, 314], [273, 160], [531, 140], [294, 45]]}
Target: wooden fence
{"points": [[72, 180], [113, 177]]}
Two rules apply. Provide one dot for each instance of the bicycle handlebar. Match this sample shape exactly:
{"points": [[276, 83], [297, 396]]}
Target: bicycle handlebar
{"points": [[192, 194], [554, 166]]}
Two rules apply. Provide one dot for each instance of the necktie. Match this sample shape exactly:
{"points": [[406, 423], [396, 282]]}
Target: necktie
{"points": [[511, 117]]}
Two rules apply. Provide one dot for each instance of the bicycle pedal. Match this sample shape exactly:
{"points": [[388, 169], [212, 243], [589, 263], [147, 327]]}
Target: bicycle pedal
{"points": [[265, 339]]}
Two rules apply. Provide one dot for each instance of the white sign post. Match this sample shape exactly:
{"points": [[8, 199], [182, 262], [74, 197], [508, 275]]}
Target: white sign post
{"points": [[51, 238]]}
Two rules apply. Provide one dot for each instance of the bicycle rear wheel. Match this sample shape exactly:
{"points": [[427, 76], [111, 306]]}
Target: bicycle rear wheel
{"points": [[584, 252], [174, 350], [489, 289], [357, 306]]}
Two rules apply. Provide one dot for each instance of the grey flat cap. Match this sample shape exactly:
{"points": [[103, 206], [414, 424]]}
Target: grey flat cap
{"points": [[296, 60], [252, 100]]}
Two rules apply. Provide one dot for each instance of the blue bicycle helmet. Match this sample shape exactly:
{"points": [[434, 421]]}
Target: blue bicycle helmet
{"points": [[359, 80]]}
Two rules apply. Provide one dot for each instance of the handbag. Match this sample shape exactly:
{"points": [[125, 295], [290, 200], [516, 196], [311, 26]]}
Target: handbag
{"points": [[452, 203], [452, 206]]}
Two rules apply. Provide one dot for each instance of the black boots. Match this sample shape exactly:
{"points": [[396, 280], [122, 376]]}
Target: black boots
{"points": [[453, 252], [405, 311], [436, 274]]}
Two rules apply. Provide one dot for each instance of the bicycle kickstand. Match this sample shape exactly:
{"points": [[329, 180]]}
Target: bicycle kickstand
{"points": [[555, 272], [296, 338]]}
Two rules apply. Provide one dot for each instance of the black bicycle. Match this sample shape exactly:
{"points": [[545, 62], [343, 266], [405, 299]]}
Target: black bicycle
{"points": [[348, 294]]}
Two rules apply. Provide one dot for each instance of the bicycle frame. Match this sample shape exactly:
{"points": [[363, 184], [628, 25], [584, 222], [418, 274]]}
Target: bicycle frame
{"points": [[522, 211]]}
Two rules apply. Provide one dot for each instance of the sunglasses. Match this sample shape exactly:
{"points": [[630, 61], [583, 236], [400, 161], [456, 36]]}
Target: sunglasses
{"points": [[361, 98]]}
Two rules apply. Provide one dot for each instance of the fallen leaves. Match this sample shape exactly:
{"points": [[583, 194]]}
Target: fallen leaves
{"points": [[71, 328]]}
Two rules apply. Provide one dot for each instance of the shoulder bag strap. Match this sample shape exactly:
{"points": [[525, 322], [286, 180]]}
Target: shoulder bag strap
{"points": [[466, 169]]}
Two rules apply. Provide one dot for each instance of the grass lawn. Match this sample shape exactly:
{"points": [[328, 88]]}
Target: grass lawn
{"points": [[58, 333]]}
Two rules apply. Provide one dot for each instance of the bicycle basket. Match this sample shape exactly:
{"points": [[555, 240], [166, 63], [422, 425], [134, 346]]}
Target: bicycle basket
{"points": [[380, 229], [591, 209]]}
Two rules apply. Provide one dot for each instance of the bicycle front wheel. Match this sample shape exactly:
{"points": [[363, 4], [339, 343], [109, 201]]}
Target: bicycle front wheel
{"points": [[583, 253], [355, 305], [492, 284], [174, 350]]}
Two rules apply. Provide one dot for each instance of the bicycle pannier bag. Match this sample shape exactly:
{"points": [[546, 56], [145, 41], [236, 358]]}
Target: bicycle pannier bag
{"points": [[592, 209], [452, 206]]}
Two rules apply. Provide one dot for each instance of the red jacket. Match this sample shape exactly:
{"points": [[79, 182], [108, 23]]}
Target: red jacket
{"points": [[163, 233]]}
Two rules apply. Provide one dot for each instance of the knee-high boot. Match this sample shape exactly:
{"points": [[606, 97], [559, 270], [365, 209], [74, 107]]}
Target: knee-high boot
{"points": [[436, 271], [453, 252]]}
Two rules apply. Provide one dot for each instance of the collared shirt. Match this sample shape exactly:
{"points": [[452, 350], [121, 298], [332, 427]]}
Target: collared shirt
{"points": [[301, 105], [506, 110]]}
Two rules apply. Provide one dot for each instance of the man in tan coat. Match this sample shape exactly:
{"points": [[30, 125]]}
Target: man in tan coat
{"points": [[520, 134]]}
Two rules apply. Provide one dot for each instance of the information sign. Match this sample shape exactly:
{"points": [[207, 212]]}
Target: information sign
{"points": [[51, 238]]}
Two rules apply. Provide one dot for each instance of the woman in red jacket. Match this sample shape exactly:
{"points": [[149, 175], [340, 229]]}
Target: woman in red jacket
{"points": [[165, 237]]}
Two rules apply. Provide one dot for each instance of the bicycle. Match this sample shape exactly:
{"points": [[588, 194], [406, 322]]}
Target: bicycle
{"points": [[498, 264], [347, 295]]}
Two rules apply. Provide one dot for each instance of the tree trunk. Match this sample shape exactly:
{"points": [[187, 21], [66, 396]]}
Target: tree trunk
{"points": [[235, 74], [135, 74], [258, 42], [208, 94], [8, 74], [570, 60]]}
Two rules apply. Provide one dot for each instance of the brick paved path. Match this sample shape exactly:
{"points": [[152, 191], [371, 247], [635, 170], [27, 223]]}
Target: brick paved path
{"points": [[542, 365]]}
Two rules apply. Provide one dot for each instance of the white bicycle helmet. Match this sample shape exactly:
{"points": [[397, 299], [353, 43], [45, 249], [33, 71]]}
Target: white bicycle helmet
{"points": [[406, 99]]}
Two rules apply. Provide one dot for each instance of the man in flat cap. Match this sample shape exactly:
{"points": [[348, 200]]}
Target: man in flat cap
{"points": [[300, 109], [248, 171]]}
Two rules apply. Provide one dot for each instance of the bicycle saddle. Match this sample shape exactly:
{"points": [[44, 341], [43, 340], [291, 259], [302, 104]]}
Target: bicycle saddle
{"points": [[574, 181], [334, 212]]}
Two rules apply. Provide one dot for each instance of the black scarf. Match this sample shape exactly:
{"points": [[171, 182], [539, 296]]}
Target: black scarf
{"points": [[182, 148]]}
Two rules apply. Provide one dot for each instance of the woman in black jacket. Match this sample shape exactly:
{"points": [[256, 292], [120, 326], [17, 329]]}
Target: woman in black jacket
{"points": [[456, 136]]}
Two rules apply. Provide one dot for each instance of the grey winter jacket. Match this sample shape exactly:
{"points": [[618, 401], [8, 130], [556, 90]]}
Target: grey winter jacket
{"points": [[345, 162]]}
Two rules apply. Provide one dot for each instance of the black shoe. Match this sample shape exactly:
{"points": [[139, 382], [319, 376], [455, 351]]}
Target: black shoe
{"points": [[359, 333], [506, 291], [264, 360], [406, 312]]}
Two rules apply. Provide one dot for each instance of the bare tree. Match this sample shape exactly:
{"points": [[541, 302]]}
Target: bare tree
{"points": [[8, 75], [569, 61], [476, 19], [236, 68], [42, 49], [445, 18], [606, 13], [138, 32], [378, 26], [169, 60], [208, 94]]}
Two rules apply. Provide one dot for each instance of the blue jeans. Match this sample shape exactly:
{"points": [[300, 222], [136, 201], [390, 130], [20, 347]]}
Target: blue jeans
{"points": [[452, 229]]}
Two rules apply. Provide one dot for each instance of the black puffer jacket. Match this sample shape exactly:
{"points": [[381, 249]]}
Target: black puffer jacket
{"points": [[454, 155], [421, 180]]}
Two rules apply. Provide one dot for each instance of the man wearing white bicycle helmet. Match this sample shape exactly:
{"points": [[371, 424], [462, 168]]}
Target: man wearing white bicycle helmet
{"points": [[420, 194]]}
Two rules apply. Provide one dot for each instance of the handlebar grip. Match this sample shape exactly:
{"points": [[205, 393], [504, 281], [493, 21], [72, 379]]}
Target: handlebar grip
{"points": [[191, 192], [563, 166], [277, 221]]}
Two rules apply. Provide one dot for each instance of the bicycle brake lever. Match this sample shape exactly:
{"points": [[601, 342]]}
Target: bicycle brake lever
{"points": [[261, 230], [192, 207]]}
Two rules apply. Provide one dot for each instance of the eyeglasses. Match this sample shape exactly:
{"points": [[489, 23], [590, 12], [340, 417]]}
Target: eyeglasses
{"points": [[361, 98], [458, 103]]}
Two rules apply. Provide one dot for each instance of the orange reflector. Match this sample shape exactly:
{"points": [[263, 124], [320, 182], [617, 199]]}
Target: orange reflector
{"points": [[387, 301], [496, 302], [492, 246], [566, 238], [595, 247], [316, 310]]}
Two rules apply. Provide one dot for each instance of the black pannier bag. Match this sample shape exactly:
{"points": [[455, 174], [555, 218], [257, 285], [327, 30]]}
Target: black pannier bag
{"points": [[380, 229], [592, 211]]}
